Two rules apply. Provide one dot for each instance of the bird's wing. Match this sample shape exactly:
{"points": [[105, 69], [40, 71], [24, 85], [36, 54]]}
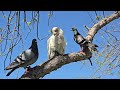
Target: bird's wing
{"points": [[48, 46], [64, 44], [61, 44], [78, 38], [51, 46], [27, 55], [23, 58], [62, 47]]}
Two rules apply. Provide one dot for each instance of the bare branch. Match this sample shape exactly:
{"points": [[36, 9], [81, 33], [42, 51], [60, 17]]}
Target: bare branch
{"points": [[100, 24], [38, 26]]}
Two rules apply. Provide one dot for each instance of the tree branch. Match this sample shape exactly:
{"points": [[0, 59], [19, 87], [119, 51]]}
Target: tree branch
{"points": [[57, 62], [96, 27]]}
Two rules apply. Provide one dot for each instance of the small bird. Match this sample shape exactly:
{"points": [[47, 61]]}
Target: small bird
{"points": [[78, 38], [25, 59], [56, 43], [84, 44]]}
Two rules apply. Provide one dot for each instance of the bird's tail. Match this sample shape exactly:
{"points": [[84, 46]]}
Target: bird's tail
{"points": [[11, 71], [12, 65], [93, 47], [90, 61]]}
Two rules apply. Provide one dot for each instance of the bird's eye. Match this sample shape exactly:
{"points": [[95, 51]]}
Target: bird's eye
{"points": [[56, 30]]}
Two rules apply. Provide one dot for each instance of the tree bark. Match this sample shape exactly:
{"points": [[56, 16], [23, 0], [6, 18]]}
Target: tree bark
{"points": [[96, 27], [57, 62]]}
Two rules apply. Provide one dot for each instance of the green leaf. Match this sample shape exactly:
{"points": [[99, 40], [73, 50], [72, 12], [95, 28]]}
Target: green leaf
{"points": [[1, 29], [28, 23], [24, 20], [108, 56], [97, 17], [10, 19], [118, 72], [50, 31], [4, 16], [110, 64]]}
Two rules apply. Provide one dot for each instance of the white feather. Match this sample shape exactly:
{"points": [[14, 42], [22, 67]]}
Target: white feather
{"points": [[56, 43]]}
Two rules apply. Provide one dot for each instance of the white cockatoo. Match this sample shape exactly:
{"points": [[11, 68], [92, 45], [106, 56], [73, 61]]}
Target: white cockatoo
{"points": [[56, 43]]}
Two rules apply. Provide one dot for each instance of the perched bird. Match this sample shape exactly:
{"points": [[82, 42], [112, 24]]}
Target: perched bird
{"points": [[84, 44], [56, 43], [25, 59], [78, 38]]}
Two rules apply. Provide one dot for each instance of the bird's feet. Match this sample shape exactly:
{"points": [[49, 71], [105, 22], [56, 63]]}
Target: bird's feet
{"points": [[28, 69], [57, 53], [80, 51]]}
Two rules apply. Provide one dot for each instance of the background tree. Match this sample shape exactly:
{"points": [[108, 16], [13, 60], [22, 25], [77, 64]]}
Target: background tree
{"points": [[106, 62]]}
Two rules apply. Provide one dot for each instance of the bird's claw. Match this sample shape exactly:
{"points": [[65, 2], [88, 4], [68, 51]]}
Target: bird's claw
{"points": [[80, 51], [28, 68]]}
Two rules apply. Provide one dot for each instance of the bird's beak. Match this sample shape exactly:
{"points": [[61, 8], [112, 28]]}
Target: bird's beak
{"points": [[72, 29]]}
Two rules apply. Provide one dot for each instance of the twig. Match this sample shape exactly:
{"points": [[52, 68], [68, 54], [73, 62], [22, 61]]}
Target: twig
{"points": [[37, 27], [49, 16]]}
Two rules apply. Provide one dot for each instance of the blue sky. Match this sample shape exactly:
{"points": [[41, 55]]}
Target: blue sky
{"points": [[65, 20]]}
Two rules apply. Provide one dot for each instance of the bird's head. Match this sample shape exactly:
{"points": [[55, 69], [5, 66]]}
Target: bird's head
{"points": [[34, 41], [74, 30], [56, 31]]}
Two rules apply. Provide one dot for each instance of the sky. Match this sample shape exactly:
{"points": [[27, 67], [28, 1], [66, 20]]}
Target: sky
{"points": [[65, 20]]}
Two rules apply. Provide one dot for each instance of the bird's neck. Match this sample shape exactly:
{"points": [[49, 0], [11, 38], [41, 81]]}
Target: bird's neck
{"points": [[34, 48], [76, 33]]}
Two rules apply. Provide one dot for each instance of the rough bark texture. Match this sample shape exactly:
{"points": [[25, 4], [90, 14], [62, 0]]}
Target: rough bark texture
{"points": [[100, 24], [57, 62], [51, 65]]}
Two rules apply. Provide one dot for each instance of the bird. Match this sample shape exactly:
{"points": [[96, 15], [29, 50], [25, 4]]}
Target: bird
{"points": [[56, 43], [25, 59], [84, 44]]}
